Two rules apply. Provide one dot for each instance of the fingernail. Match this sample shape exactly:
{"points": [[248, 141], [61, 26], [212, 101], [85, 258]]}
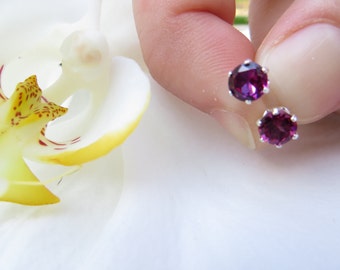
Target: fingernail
{"points": [[304, 71], [236, 125]]}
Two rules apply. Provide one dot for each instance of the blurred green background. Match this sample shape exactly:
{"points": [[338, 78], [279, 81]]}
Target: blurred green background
{"points": [[241, 12]]}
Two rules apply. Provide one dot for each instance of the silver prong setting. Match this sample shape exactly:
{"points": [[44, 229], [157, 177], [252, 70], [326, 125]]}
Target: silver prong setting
{"points": [[266, 90], [259, 123], [266, 112], [293, 118], [295, 137], [278, 146], [285, 109], [265, 70], [248, 102], [247, 62], [276, 111], [231, 93]]}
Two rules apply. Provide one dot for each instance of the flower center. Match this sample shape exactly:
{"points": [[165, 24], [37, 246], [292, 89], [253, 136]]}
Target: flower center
{"points": [[28, 105]]}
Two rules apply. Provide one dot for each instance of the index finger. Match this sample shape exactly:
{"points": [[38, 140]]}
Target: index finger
{"points": [[189, 47]]}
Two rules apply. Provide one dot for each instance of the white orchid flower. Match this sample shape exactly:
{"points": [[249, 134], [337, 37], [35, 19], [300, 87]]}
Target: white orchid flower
{"points": [[105, 98]]}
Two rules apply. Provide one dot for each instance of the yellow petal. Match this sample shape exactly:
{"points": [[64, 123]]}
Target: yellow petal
{"points": [[93, 151], [28, 194], [19, 185]]}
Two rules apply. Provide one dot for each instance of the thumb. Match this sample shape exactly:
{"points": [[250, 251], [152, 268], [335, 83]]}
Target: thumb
{"points": [[302, 53]]}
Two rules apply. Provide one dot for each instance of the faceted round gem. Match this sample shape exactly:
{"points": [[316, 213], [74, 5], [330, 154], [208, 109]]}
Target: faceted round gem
{"points": [[277, 127], [248, 81]]}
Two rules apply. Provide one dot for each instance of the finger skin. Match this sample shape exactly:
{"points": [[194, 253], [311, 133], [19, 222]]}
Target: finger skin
{"points": [[302, 52], [263, 15], [189, 47]]}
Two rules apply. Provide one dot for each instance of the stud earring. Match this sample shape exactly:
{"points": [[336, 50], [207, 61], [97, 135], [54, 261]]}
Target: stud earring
{"points": [[277, 126], [248, 82]]}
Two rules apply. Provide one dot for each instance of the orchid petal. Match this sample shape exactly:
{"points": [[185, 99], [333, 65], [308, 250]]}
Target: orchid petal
{"points": [[118, 94], [22, 29], [117, 117], [19, 185]]}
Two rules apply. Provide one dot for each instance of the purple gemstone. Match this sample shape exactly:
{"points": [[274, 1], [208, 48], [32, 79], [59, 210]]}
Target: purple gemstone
{"points": [[277, 127], [248, 81]]}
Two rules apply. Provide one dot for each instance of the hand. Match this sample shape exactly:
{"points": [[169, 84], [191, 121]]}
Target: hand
{"points": [[191, 45]]}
